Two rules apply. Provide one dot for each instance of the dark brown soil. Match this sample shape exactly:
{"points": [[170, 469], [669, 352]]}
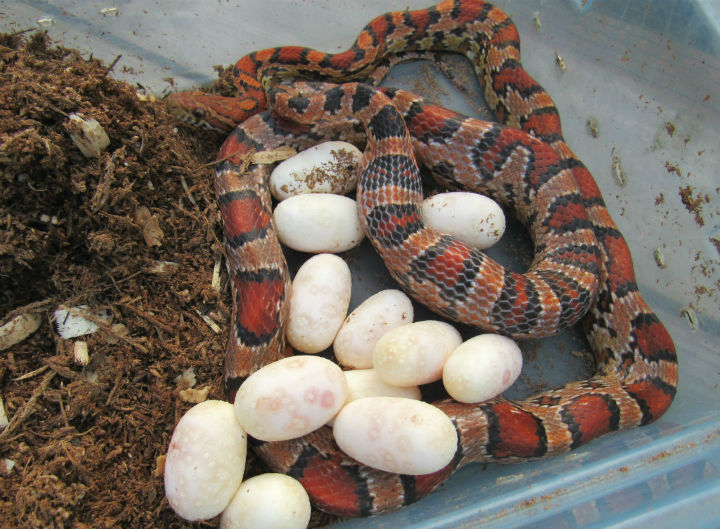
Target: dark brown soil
{"points": [[87, 441]]}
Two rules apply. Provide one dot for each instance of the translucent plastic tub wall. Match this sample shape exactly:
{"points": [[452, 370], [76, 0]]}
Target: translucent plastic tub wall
{"points": [[648, 74]]}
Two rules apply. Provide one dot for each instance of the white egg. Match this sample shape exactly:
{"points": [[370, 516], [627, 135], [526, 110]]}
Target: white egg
{"points": [[475, 219], [363, 383], [318, 222], [482, 368], [319, 300], [396, 435], [366, 383], [329, 167], [268, 500], [415, 353], [290, 398], [205, 460], [381, 312]]}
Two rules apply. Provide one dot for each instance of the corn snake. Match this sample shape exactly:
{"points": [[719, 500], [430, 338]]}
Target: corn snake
{"points": [[533, 172]]}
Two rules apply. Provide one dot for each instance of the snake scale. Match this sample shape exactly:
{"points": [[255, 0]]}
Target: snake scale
{"points": [[582, 265]]}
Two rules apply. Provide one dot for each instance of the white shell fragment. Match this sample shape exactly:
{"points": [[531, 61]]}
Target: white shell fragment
{"points": [[329, 167], [378, 314], [318, 222], [396, 435], [290, 398], [205, 460], [87, 135], [268, 500], [18, 328], [474, 219], [3, 416], [415, 354], [319, 300], [71, 324], [482, 368]]}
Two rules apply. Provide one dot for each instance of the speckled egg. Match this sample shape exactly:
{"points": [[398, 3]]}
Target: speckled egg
{"points": [[396, 435], [482, 368], [205, 460], [290, 398], [329, 167], [319, 300], [378, 314], [415, 354], [475, 219], [268, 500], [363, 383]]}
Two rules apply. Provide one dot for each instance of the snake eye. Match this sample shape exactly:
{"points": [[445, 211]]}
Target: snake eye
{"points": [[199, 113]]}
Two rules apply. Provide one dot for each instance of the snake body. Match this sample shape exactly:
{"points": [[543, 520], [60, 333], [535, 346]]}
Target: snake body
{"points": [[582, 263]]}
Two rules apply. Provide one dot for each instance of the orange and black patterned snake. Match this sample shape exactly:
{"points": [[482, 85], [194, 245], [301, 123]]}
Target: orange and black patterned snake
{"points": [[582, 265]]}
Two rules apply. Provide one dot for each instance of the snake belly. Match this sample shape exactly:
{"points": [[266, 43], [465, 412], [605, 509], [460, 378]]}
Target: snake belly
{"points": [[532, 172]]}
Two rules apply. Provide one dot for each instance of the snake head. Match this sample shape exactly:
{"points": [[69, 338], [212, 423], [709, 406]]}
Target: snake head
{"points": [[210, 111]]}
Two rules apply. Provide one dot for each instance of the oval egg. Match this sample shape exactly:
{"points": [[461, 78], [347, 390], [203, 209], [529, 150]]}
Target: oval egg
{"points": [[474, 219], [396, 435], [329, 167], [415, 353], [363, 383], [268, 500], [319, 300], [381, 312], [290, 397], [318, 222], [482, 368], [366, 383], [205, 460]]}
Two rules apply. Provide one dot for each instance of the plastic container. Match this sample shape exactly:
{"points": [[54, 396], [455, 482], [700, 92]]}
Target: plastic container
{"points": [[642, 77]]}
